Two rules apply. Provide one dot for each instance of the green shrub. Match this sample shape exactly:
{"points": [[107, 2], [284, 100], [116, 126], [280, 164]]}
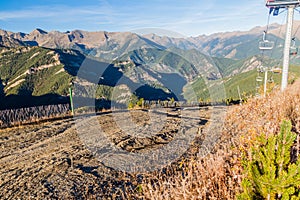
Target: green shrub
{"points": [[140, 102], [135, 102], [269, 172]]}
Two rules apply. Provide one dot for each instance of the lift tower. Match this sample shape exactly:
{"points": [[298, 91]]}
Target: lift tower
{"points": [[290, 6]]}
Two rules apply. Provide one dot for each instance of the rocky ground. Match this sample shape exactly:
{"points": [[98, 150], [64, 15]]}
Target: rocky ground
{"points": [[76, 158]]}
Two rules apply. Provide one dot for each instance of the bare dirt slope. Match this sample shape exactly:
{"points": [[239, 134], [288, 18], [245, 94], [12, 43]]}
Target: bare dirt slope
{"points": [[50, 160]]}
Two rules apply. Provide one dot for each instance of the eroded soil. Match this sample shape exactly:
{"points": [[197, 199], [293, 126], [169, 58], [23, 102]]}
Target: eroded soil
{"points": [[54, 160]]}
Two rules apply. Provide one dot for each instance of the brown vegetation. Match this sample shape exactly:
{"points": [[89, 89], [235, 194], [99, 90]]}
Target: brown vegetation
{"points": [[219, 174], [50, 161]]}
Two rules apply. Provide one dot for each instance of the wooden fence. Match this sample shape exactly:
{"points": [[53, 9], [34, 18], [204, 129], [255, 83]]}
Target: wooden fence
{"points": [[32, 114]]}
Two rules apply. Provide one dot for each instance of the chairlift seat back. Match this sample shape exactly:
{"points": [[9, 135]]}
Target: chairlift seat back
{"points": [[259, 79], [266, 45]]}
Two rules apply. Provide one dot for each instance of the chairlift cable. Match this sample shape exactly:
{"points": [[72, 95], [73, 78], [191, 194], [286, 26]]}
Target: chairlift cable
{"points": [[265, 34], [276, 5], [297, 10], [294, 49], [296, 31], [258, 79], [276, 41], [260, 68]]}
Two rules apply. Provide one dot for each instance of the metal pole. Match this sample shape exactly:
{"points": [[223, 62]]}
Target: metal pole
{"points": [[287, 45], [71, 101], [238, 87], [265, 83]]}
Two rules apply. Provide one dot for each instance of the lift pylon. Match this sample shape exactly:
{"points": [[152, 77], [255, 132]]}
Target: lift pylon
{"points": [[290, 6]]}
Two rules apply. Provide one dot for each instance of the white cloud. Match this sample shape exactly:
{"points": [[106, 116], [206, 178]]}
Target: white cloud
{"points": [[187, 17], [53, 11]]}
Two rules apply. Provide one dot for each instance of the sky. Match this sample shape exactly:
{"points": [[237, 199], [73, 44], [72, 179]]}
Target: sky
{"points": [[173, 17]]}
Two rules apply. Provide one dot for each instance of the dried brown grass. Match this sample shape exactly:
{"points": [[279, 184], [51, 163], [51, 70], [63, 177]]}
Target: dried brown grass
{"points": [[219, 174]]}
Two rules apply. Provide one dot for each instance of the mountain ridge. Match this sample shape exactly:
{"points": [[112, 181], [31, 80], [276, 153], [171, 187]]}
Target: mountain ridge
{"points": [[125, 60], [223, 44]]}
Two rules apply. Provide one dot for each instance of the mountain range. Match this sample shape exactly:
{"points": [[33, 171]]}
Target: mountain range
{"points": [[118, 64], [228, 44]]}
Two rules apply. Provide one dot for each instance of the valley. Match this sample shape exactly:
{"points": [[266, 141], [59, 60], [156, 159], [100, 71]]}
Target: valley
{"points": [[111, 66], [153, 115]]}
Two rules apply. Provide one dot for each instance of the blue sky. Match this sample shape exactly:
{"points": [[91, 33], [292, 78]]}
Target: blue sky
{"points": [[187, 17]]}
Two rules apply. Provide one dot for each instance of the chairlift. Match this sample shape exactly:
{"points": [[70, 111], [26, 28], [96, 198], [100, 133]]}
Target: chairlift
{"points": [[271, 80], [265, 44], [293, 49], [260, 69], [259, 79], [277, 70]]}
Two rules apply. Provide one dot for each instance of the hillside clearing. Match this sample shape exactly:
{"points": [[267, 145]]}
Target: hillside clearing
{"points": [[50, 160]]}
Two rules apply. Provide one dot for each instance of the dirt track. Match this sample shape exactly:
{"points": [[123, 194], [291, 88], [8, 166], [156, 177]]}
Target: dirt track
{"points": [[50, 160]]}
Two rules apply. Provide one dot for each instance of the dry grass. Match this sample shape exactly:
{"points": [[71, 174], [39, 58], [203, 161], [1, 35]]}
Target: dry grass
{"points": [[49, 160], [198, 179], [219, 175]]}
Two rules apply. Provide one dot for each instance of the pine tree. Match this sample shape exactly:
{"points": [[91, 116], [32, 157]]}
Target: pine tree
{"points": [[269, 173]]}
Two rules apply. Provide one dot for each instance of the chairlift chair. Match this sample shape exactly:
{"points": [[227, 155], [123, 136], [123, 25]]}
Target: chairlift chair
{"points": [[294, 51], [260, 69], [265, 44], [259, 79], [277, 70], [293, 48], [271, 80]]}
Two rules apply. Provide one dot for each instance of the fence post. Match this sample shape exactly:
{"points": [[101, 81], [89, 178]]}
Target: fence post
{"points": [[71, 101]]}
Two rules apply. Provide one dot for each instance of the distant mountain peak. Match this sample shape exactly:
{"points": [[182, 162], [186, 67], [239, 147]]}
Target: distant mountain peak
{"points": [[39, 31], [7, 41], [234, 44]]}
